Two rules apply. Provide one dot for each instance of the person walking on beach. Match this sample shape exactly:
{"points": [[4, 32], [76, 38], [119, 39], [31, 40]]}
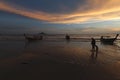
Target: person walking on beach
{"points": [[94, 49], [93, 43]]}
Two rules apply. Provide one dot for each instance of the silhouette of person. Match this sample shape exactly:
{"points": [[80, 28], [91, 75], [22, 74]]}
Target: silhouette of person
{"points": [[67, 37], [101, 38], [93, 43], [94, 53]]}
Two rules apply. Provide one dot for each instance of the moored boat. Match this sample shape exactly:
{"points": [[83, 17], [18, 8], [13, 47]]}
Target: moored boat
{"points": [[33, 38], [108, 40]]}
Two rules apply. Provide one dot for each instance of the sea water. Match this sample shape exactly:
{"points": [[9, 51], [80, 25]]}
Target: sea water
{"points": [[12, 46], [57, 36]]}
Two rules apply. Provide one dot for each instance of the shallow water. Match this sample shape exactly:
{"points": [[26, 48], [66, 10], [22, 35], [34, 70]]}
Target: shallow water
{"points": [[70, 60], [16, 48], [57, 37]]}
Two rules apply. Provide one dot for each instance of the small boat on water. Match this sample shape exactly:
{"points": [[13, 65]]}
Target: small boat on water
{"points": [[108, 40], [33, 38]]}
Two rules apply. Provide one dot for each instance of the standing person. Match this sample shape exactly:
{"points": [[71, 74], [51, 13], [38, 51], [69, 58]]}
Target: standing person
{"points": [[93, 43], [94, 49], [67, 37]]}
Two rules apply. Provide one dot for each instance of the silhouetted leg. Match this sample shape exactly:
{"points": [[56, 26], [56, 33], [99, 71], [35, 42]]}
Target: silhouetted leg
{"points": [[93, 47], [96, 51]]}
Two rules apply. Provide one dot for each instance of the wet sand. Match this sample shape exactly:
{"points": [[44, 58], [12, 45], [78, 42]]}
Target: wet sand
{"points": [[58, 61]]}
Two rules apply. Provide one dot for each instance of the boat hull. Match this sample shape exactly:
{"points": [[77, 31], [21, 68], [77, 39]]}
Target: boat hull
{"points": [[32, 38], [108, 41]]}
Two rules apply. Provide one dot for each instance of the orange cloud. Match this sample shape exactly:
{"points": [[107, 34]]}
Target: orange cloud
{"points": [[100, 29], [114, 29], [93, 10]]}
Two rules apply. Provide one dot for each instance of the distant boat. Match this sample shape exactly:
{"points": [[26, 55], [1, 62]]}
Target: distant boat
{"points": [[108, 40], [33, 38]]}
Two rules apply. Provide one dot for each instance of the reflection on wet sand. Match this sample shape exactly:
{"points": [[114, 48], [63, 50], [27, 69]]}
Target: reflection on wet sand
{"points": [[58, 61], [94, 52], [94, 55]]}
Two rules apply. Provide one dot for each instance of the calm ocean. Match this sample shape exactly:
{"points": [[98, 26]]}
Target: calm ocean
{"points": [[57, 37]]}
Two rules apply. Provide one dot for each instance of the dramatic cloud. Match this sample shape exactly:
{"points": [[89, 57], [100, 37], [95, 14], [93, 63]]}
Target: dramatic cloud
{"points": [[89, 11]]}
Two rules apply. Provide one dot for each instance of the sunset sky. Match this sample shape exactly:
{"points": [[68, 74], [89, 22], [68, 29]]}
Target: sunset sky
{"points": [[60, 16]]}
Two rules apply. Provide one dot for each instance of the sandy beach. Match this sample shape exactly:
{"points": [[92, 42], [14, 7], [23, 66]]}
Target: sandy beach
{"points": [[46, 60]]}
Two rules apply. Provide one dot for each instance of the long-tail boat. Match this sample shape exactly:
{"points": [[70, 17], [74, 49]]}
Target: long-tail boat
{"points": [[108, 40], [33, 38]]}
